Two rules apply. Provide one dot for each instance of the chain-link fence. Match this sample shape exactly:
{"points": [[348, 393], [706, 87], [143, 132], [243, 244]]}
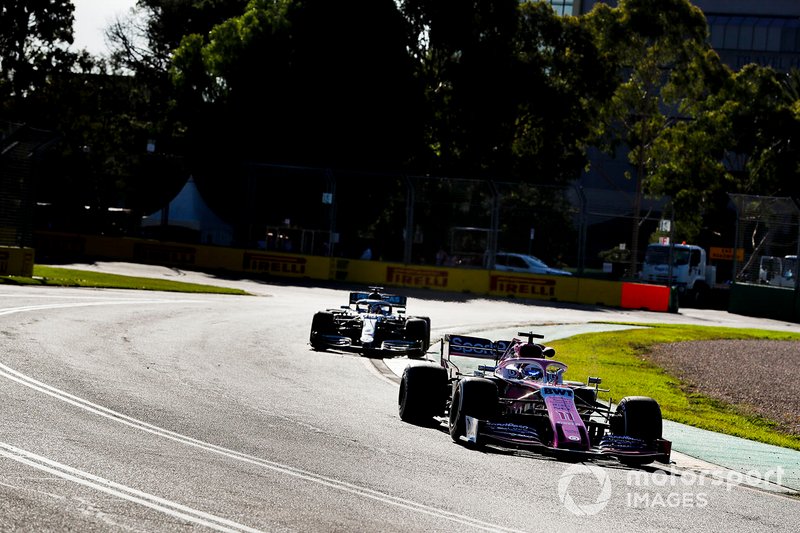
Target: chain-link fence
{"points": [[411, 219], [768, 237], [19, 154], [416, 219]]}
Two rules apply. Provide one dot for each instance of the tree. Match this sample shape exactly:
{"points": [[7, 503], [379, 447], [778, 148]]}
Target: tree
{"points": [[463, 54], [315, 83], [146, 38], [688, 160], [33, 39], [739, 139], [766, 131], [651, 42], [561, 81]]}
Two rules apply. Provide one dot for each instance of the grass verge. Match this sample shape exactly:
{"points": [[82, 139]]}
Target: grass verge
{"points": [[64, 277], [618, 358]]}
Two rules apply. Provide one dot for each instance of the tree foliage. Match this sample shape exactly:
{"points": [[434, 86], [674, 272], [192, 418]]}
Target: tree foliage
{"points": [[481, 89], [652, 43], [316, 82], [33, 40], [563, 81]]}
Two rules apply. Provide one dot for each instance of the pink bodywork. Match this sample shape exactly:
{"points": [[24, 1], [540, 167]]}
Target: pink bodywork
{"points": [[569, 431]]}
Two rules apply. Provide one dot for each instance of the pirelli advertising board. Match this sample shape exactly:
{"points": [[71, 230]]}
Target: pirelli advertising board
{"points": [[555, 288], [431, 278], [355, 271], [169, 254], [527, 286], [286, 265], [466, 280], [279, 265]]}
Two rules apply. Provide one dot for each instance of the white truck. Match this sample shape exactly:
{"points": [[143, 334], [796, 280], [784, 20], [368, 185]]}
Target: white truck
{"points": [[778, 271], [684, 266]]}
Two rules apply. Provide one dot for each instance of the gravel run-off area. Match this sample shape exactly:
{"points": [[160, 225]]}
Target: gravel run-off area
{"points": [[760, 375]]}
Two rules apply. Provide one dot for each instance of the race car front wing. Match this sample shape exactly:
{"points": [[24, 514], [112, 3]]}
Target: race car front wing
{"points": [[393, 346], [520, 435]]}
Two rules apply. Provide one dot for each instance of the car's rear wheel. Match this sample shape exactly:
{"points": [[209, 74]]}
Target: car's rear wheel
{"points": [[321, 324], [417, 329], [475, 397], [423, 393], [640, 418]]}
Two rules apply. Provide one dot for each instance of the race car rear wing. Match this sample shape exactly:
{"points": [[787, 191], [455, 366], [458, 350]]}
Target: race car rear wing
{"points": [[475, 347], [394, 299]]}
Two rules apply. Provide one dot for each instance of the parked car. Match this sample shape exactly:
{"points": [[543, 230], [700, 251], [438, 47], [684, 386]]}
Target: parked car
{"points": [[512, 394], [509, 262], [374, 324]]}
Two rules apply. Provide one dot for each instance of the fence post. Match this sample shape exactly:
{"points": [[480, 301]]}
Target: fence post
{"points": [[331, 181], [409, 233], [582, 221], [495, 226]]}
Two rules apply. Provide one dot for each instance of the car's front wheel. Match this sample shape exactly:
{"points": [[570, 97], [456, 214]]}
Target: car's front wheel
{"points": [[639, 417], [417, 329], [322, 324], [423, 393], [475, 397]]}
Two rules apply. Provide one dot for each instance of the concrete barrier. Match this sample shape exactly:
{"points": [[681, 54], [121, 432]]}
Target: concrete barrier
{"points": [[648, 297], [764, 301], [16, 261]]}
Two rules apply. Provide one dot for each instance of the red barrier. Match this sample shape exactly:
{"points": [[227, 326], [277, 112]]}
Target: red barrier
{"points": [[643, 296]]}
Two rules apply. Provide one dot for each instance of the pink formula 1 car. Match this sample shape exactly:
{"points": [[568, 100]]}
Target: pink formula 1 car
{"points": [[519, 398]]}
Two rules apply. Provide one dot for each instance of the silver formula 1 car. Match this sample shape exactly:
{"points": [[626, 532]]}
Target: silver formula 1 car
{"points": [[374, 324], [516, 396]]}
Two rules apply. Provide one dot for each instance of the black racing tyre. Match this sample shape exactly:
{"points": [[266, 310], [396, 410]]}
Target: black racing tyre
{"points": [[417, 329], [427, 332], [322, 324], [423, 393], [640, 418], [475, 397]]}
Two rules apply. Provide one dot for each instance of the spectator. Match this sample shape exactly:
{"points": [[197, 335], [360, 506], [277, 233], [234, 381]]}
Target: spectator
{"points": [[441, 257], [367, 254]]}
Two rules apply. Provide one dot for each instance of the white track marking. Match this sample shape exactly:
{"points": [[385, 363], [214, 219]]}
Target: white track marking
{"points": [[377, 373], [22, 379], [330, 482], [26, 308], [121, 491]]}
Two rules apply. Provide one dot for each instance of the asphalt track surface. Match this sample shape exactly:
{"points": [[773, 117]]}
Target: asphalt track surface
{"points": [[137, 411]]}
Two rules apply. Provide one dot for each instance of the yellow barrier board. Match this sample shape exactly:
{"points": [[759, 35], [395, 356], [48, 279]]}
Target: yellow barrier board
{"points": [[599, 292], [551, 288], [285, 265], [411, 276], [16, 261], [360, 273]]}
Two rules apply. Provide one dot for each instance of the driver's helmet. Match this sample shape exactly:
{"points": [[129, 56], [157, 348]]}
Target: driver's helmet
{"points": [[529, 349], [532, 371]]}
